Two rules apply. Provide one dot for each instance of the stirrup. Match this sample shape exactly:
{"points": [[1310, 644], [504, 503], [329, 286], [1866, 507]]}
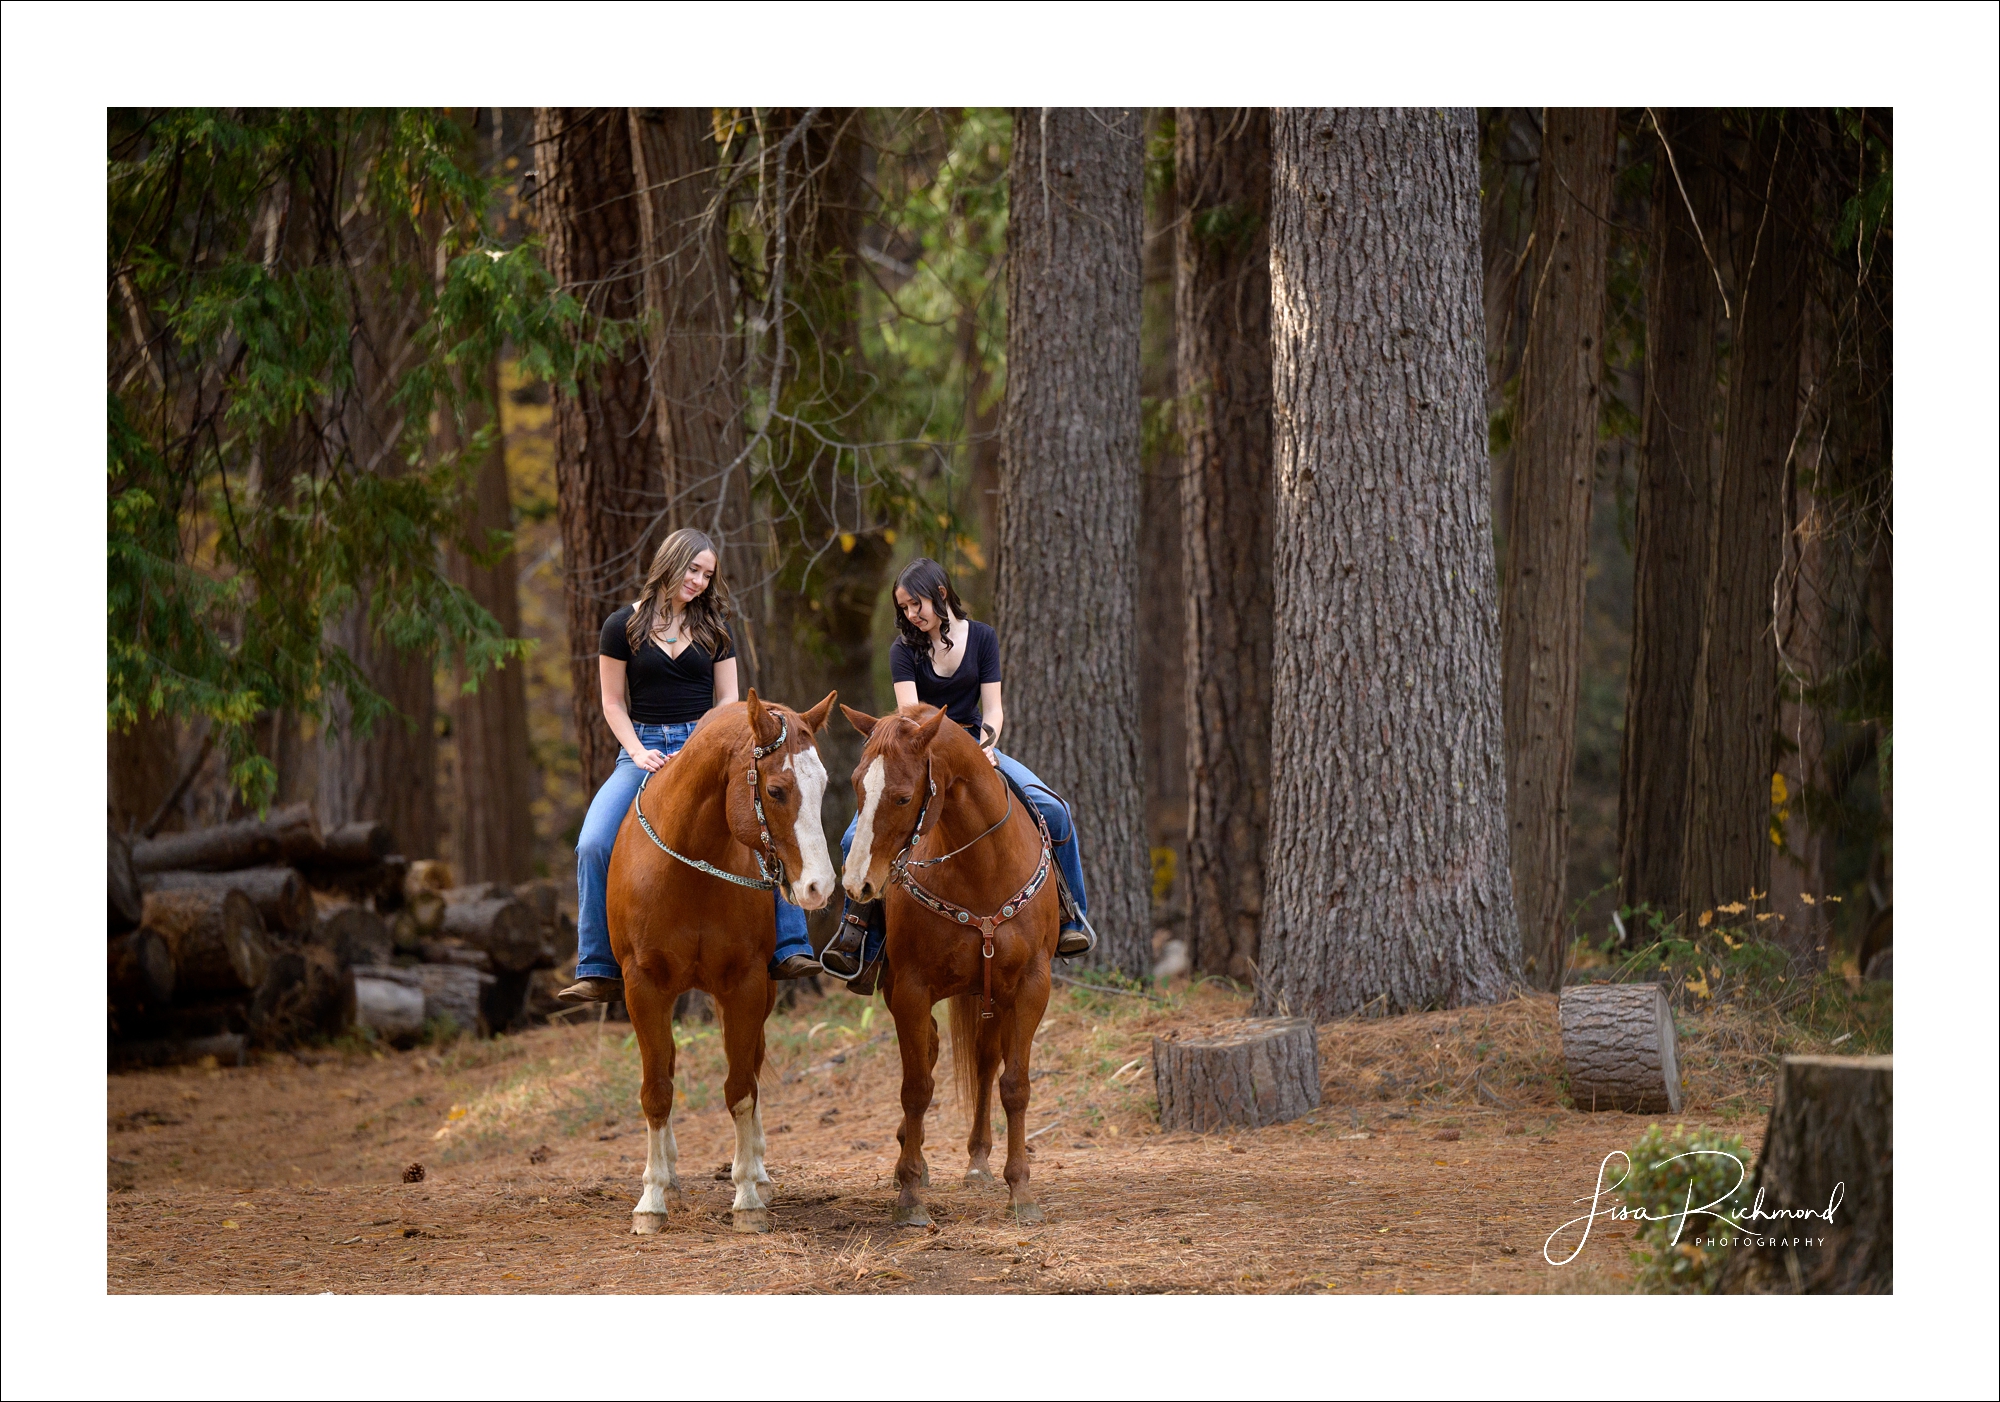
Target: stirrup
{"points": [[1066, 947], [843, 963]]}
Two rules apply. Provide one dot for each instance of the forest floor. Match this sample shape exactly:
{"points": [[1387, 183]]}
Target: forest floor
{"points": [[1442, 1158]]}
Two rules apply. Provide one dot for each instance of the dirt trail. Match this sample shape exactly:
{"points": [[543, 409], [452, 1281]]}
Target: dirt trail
{"points": [[286, 1176]]}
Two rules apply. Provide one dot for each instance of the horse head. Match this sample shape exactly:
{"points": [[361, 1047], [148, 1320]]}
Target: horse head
{"points": [[790, 781], [890, 786]]}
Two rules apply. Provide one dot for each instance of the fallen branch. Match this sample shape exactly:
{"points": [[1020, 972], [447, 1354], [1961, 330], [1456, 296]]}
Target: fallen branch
{"points": [[1106, 988], [1044, 1129]]}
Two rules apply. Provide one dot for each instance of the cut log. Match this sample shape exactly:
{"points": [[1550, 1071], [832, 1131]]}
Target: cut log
{"points": [[279, 893], [391, 1009], [361, 843], [1620, 1049], [1251, 1072], [356, 935], [455, 952], [502, 926], [1828, 1173], [449, 990], [287, 835], [227, 1049], [141, 971], [216, 937], [425, 909], [428, 874], [478, 891], [544, 897], [306, 995], [379, 883], [128, 902]]}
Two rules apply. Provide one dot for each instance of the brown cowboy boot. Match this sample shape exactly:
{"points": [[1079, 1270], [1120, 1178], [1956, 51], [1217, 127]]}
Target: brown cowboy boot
{"points": [[593, 990]]}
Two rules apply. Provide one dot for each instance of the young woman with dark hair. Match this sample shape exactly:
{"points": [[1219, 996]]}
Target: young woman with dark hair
{"points": [[663, 661], [945, 659]]}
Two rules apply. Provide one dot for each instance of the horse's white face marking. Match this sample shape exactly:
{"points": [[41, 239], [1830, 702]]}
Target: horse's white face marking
{"points": [[860, 854], [660, 1179], [747, 1170], [814, 888]]}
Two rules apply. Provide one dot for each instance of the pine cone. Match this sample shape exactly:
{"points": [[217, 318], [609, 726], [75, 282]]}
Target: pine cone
{"points": [[414, 1173]]}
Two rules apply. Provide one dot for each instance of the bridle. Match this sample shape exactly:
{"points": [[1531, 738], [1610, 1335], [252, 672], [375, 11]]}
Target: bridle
{"points": [[899, 874], [769, 882]]}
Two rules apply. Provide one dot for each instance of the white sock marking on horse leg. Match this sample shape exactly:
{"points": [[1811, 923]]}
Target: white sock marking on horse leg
{"points": [[816, 867], [864, 828], [661, 1155], [748, 1162]]}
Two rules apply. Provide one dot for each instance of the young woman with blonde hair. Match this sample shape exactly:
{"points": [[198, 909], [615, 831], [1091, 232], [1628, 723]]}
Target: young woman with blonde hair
{"points": [[663, 661]]}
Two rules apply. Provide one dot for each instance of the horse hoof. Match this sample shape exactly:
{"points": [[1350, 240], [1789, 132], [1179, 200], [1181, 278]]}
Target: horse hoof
{"points": [[648, 1223], [974, 1177], [1026, 1212], [750, 1219], [910, 1217]]}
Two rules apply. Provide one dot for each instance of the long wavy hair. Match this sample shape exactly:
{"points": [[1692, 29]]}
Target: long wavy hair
{"points": [[924, 578], [707, 613]]}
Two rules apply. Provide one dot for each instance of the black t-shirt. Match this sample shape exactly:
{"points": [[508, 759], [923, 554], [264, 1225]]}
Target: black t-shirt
{"points": [[958, 694], [664, 690]]}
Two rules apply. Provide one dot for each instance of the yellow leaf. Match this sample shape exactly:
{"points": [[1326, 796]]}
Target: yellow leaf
{"points": [[458, 1112], [942, 519], [1706, 917], [1733, 944], [230, 1223], [1698, 986], [846, 542], [1807, 899], [1733, 908], [969, 548], [889, 536], [1766, 916], [1758, 895], [1835, 899], [1779, 791]]}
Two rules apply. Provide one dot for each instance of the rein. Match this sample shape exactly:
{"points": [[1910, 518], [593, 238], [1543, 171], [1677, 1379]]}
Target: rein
{"points": [[769, 882], [899, 873]]}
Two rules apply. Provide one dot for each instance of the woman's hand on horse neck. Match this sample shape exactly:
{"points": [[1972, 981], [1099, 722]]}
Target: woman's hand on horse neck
{"points": [[991, 712]]}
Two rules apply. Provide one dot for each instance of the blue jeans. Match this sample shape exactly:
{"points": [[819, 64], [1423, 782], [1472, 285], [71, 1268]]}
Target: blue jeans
{"points": [[593, 859], [1062, 838]]}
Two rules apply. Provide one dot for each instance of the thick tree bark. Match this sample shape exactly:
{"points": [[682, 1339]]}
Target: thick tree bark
{"points": [[216, 937], [610, 497], [279, 893], [1548, 533], [695, 356], [1727, 851], [287, 835], [1673, 516], [1254, 1072], [1222, 304], [833, 556], [1069, 485], [1388, 832], [493, 832], [1620, 1049]]}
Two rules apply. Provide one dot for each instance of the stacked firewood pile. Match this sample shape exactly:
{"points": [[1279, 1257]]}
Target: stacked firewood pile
{"points": [[269, 932]]}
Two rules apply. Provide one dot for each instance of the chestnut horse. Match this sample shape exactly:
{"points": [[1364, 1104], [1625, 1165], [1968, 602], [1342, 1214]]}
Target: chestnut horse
{"points": [[688, 902], [963, 870]]}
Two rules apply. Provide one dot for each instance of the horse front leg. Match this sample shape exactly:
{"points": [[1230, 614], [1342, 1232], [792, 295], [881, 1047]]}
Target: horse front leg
{"points": [[986, 1060], [742, 1010], [916, 1039], [1022, 1016], [652, 1011]]}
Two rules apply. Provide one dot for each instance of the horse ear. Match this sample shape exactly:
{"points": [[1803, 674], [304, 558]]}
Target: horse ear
{"points": [[815, 719], [860, 720], [928, 731], [764, 727]]}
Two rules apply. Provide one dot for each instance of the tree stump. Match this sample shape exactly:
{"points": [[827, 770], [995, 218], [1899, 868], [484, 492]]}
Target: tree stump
{"points": [[288, 835], [507, 929], [1256, 1071], [279, 893], [1829, 1144], [141, 975], [1619, 1047], [356, 935], [389, 1007], [306, 994], [216, 937], [128, 902]]}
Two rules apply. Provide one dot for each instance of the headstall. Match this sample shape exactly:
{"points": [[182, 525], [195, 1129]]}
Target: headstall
{"points": [[764, 869]]}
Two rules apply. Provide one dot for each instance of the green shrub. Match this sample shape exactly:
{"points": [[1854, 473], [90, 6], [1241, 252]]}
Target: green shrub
{"points": [[1687, 1191]]}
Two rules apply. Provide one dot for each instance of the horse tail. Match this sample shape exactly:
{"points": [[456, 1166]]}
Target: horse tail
{"points": [[965, 1049]]}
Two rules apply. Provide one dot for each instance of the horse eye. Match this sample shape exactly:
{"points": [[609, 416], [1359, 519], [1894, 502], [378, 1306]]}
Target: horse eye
{"points": [[903, 802], [779, 795]]}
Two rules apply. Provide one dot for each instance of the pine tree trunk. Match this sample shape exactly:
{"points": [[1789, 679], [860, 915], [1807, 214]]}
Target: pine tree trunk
{"points": [[610, 498], [834, 558], [1672, 511], [1727, 851], [493, 834], [696, 357], [1389, 872], [1161, 603], [1548, 534], [1222, 306], [1069, 486]]}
